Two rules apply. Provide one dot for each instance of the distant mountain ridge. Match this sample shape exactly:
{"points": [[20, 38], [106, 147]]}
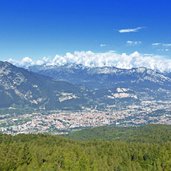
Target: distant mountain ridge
{"points": [[79, 87], [112, 87], [107, 78]]}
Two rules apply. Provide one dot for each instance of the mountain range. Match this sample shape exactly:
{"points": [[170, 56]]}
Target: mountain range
{"points": [[79, 87]]}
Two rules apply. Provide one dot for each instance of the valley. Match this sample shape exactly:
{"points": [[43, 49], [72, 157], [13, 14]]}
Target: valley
{"points": [[63, 121], [58, 100]]}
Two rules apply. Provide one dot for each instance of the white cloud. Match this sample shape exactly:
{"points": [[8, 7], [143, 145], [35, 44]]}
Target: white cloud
{"points": [[162, 44], [163, 47], [130, 30], [110, 59], [103, 45], [156, 44], [167, 44], [26, 61], [163, 50], [133, 43]]}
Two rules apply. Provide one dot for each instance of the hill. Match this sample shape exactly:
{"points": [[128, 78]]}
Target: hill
{"points": [[147, 133], [47, 152]]}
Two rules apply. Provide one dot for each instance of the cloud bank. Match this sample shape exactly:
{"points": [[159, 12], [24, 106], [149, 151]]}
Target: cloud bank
{"points": [[109, 59]]}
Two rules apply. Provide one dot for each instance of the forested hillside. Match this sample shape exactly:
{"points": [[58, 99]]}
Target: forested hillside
{"points": [[48, 153], [148, 133]]}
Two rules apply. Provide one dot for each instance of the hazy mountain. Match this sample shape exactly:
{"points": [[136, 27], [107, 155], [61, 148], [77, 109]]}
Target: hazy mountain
{"points": [[104, 77], [21, 88], [138, 80]]}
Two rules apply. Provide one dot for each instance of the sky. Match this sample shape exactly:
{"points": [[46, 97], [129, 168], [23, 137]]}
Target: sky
{"points": [[46, 28]]}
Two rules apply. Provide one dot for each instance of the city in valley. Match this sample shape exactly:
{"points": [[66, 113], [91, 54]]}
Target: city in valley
{"points": [[62, 121]]}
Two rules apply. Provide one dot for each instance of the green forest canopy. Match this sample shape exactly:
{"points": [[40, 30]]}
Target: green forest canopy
{"points": [[105, 148]]}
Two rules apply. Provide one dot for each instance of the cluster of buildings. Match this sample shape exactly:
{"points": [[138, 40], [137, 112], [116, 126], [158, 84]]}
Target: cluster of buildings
{"points": [[60, 122]]}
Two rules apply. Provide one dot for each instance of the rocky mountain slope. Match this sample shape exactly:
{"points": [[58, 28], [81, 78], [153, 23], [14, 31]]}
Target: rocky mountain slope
{"points": [[21, 88]]}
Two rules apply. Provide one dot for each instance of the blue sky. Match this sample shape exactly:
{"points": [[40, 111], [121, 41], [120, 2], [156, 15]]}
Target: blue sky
{"points": [[38, 28]]}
